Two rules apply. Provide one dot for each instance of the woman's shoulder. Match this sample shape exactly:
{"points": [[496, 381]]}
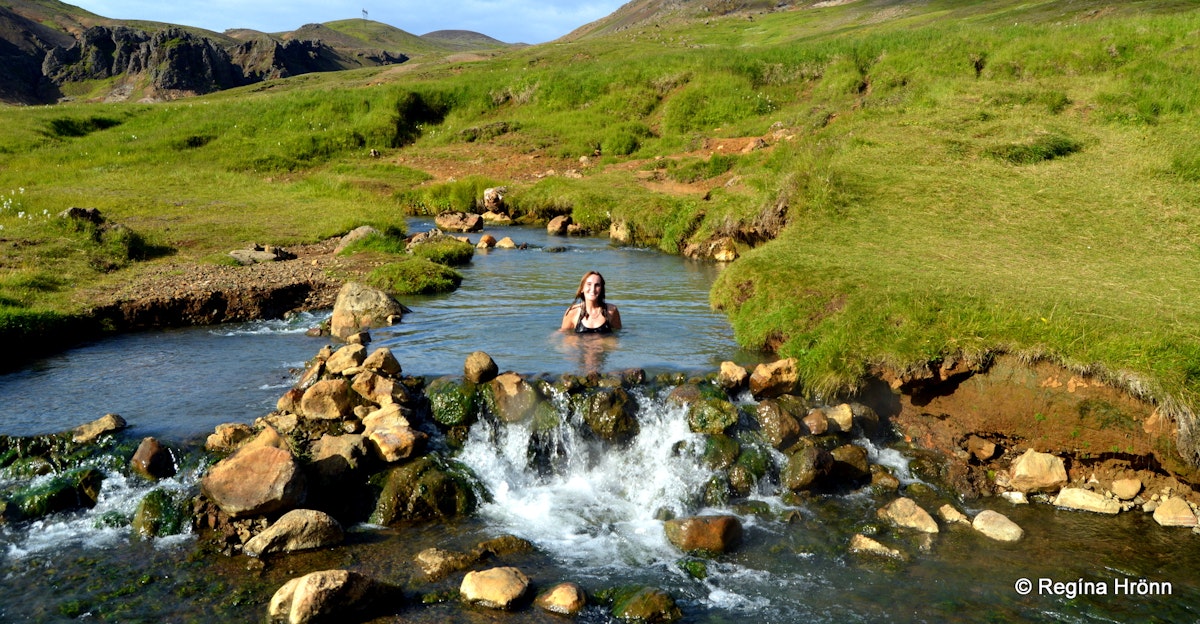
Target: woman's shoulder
{"points": [[574, 308]]}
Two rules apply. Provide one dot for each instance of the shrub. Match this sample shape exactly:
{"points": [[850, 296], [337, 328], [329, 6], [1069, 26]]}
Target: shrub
{"points": [[415, 276]]}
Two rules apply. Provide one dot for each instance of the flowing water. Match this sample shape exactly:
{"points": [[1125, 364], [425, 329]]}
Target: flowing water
{"points": [[592, 516]]}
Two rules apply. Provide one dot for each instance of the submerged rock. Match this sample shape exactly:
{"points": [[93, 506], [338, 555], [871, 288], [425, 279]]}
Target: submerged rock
{"points": [[422, 489], [864, 545], [610, 414], [644, 604], [160, 513], [704, 534], [904, 512], [997, 526]]}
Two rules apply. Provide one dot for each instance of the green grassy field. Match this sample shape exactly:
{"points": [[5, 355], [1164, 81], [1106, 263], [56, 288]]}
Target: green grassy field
{"points": [[957, 177]]}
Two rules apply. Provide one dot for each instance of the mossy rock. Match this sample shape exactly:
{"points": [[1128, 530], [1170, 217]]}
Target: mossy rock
{"points": [[444, 250], [72, 490], [695, 568], [610, 415], [424, 489], [755, 458], [160, 513], [709, 415], [452, 403], [720, 451], [414, 276], [641, 604]]}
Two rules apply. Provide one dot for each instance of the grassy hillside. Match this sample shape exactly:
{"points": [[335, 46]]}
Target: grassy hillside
{"points": [[956, 177]]}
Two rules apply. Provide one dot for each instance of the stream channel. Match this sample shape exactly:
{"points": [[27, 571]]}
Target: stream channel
{"points": [[592, 521]]}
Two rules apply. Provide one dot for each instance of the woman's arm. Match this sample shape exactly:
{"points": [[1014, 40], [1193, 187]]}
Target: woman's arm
{"points": [[614, 317], [570, 317]]}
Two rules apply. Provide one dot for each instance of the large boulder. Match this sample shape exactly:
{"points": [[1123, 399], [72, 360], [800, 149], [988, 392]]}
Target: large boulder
{"points": [[1175, 512], [1037, 472], [359, 307], [299, 529], [456, 221], [774, 378], [497, 588], [706, 535], [325, 596], [422, 489], [255, 482]]}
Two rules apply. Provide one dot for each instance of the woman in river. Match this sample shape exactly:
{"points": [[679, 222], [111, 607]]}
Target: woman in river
{"points": [[591, 315]]}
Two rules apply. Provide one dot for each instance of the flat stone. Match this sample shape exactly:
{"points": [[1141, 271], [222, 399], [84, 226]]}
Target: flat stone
{"points": [[904, 512], [863, 544], [1175, 512], [997, 526], [1086, 500]]}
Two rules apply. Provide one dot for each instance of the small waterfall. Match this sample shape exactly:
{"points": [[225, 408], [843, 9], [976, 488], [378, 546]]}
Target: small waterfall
{"points": [[598, 504]]}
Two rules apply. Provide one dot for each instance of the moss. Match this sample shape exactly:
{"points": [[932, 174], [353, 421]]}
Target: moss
{"points": [[414, 276]]}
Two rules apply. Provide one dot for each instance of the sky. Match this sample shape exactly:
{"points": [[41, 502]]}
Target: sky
{"points": [[511, 21]]}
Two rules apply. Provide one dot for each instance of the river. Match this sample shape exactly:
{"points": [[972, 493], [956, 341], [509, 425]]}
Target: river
{"points": [[593, 520]]}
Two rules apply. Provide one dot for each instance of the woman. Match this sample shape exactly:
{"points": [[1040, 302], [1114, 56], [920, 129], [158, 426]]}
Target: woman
{"points": [[591, 315]]}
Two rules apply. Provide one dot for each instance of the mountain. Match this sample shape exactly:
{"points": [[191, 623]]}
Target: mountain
{"points": [[49, 48], [640, 13]]}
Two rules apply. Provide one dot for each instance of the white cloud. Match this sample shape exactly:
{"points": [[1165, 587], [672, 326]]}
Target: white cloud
{"points": [[527, 21]]}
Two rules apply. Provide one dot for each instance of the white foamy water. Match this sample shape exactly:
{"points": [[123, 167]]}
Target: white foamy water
{"points": [[599, 507]]}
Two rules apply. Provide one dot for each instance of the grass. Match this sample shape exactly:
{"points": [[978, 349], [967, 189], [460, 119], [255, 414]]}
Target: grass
{"points": [[955, 177]]}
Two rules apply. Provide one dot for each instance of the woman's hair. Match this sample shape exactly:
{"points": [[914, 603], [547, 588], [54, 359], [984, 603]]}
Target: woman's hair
{"points": [[599, 300]]}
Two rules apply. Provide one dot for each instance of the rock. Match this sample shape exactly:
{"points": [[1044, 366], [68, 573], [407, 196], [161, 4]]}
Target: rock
{"points": [[382, 361], [1037, 472], [496, 218], [493, 198], [620, 232], [335, 458], [496, 588], [228, 437], [850, 464], [254, 482], [349, 356], [159, 514], [706, 535], [153, 460], [514, 399], [904, 512], [487, 241], [78, 488], [732, 377], [564, 599], [816, 422], [506, 243], [457, 221], [981, 449], [299, 529], [862, 544], [438, 564], [1086, 500], [712, 416], [328, 399], [108, 423], [378, 389], [1174, 511], [774, 379], [75, 213], [354, 235], [1016, 498], [841, 416], [804, 466], [645, 604], [394, 443], [325, 596], [779, 428], [259, 254], [951, 515], [1126, 489], [269, 436], [997, 526], [558, 225], [452, 404], [359, 307], [479, 368], [609, 414]]}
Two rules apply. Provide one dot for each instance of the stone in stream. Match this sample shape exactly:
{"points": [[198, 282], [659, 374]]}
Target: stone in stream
{"points": [[732, 377], [328, 399], [643, 604], [153, 460], [904, 512], [325, 596], [255, 481], [479, 368], [609, 414], [997, 526], [299, 529], [864, 545], [359, 307], [563, 599], [1037, 472], [775, 378], [1175, 511], [496, 588], [706, 535], [1086, 500], [88, 433]]}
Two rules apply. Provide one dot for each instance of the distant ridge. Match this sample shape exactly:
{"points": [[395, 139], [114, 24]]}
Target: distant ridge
{"points": [[465, 40]]}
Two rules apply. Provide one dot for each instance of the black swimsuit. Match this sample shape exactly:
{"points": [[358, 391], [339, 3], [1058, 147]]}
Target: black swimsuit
{"points": [[580, 329]]}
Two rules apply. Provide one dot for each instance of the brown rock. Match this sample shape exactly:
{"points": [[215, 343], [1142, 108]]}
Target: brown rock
{"points": [[1086, 500], [487, 241], [379, 389], [705, 534], [863, 544], [816, 422], [349, 356], [383, 362], [778, 427], [153, 460], [558, 225], [479, 368], [438, 564], [228, 437], [328, 399], [732, 377], [904, 512], [981, 449], [1126, 489], [497, 588], [299, 529], [456, 221], [326, 596], [564, 599], [255, 481], [354, 235], [774, 379], [108, 423], [515, 398], [396, 443], [997, 526], [1175, 512], [1037, 472], [841, 416]]}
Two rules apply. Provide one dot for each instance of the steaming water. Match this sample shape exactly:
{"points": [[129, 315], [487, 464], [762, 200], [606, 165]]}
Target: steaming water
{"points": [[591, 512]]}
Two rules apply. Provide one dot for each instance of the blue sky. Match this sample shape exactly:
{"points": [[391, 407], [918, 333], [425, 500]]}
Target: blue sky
{"points": [[512, 21]]}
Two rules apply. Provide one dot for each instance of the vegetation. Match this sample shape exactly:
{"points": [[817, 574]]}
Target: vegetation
{"points": [[414, 276], [947, 178]]}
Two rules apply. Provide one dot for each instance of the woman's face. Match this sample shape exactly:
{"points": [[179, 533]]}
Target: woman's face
{"points": [[593, 288]]}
